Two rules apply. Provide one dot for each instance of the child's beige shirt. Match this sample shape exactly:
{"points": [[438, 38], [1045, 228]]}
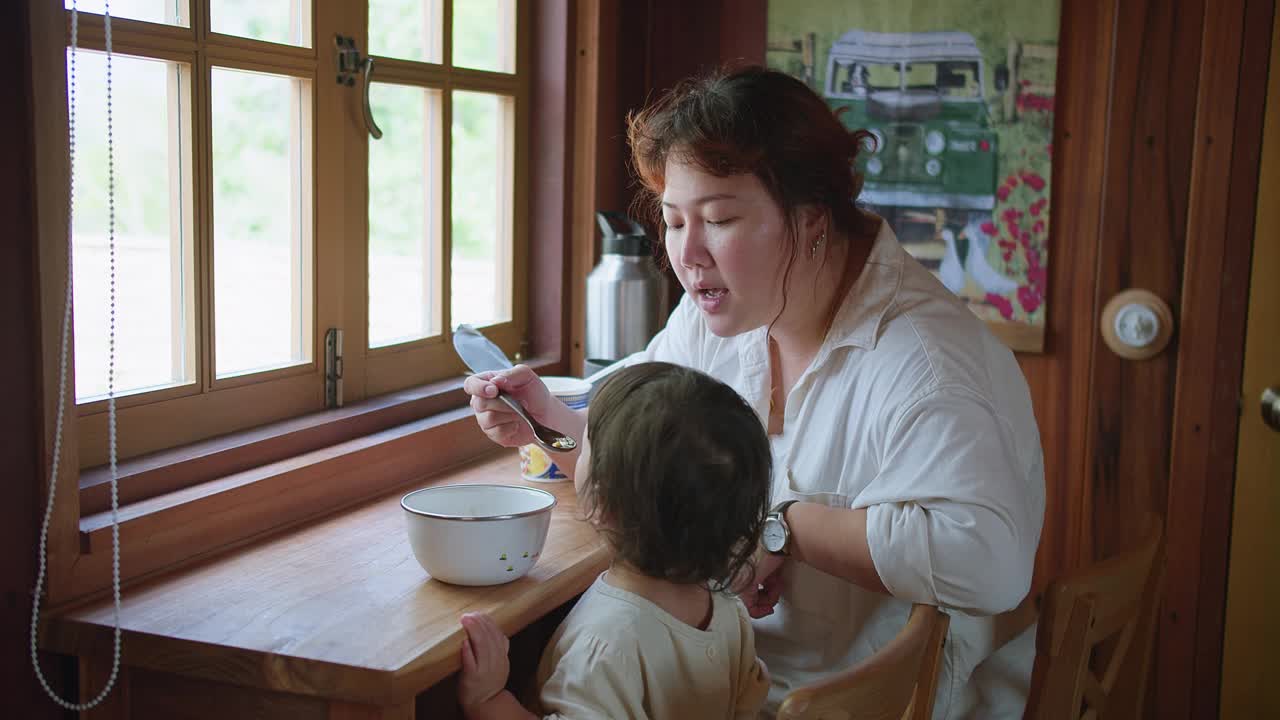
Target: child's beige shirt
{"points": [[618, 655]]}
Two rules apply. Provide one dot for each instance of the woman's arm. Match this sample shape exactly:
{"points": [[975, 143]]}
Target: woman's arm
{"points": [[952, 518], [833, 540], [504, 427]]}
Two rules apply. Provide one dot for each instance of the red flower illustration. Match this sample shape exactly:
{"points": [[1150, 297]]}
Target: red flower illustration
{"points": [[1031, 101], [1020, 220], [1036, 276], [1002, 304], [1034, 181], [1028, 298]]}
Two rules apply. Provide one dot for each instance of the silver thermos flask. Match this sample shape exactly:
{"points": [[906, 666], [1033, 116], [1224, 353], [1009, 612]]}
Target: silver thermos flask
{"points": [[626, 295]]}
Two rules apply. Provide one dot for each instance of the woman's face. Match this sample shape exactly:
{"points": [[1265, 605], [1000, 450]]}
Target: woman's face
{"points": [[725, 239]]}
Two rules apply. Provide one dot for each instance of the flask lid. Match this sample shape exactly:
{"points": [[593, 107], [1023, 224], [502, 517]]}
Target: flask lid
{"points": [[622, 235]]}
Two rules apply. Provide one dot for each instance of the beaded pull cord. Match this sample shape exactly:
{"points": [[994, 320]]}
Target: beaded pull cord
{"points": [[62, 371]]}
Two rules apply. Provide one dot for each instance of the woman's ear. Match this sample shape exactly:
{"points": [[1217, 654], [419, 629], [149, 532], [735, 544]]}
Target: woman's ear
{"points": [[813, 220]]}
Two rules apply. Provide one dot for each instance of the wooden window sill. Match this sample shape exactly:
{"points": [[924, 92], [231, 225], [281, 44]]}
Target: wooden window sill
{"points": [[162, 472], [338, 609], [190, 503]]}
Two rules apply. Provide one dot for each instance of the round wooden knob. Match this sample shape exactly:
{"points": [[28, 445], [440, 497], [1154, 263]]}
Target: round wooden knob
{"points": [[1137, 324]]}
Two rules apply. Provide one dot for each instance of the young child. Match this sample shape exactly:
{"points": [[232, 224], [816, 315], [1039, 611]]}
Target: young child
{"points": [[674, 472]]}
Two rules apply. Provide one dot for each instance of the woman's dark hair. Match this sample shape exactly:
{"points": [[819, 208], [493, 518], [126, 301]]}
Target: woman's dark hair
{"points": [[757, 121], [679, 473]]}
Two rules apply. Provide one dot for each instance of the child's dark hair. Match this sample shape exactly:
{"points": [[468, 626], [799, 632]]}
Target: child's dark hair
{"points": [[679, 473]]}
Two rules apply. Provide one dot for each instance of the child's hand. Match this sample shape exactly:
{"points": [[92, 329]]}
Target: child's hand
{"points": [[485, 665], [761, 589]]}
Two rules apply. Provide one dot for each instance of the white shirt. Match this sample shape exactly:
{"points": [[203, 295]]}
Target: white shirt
{"points": [[913, 410], [618, 656]]}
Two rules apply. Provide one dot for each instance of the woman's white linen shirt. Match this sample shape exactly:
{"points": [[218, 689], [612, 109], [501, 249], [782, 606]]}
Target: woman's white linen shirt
{"points": [[913, 410]]}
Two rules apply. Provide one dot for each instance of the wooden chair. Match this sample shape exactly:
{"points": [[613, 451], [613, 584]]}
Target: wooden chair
{"points": [[898, 682], [1093, 646]]}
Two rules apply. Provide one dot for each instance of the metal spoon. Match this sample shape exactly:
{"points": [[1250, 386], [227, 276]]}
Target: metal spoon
{"points": [[481, 355], [550, 440]]}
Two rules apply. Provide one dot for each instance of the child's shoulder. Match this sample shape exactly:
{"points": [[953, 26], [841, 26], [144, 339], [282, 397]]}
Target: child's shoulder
{"points": [[601, 625], [608, 613], [610, 619], [732, 608]]}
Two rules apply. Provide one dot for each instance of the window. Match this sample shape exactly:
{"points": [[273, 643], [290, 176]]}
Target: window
{"points": [[443, 244], [254, 211]]}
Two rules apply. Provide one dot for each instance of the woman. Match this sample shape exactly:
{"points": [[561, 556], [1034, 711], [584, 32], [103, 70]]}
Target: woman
{"points": [[907, 464]]}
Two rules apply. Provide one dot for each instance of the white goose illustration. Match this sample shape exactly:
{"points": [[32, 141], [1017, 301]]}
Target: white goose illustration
{"points": [[951, 271], [954, 268]]}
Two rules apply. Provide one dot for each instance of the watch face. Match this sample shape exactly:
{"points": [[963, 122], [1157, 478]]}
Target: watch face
{"points": [[774, 536]]}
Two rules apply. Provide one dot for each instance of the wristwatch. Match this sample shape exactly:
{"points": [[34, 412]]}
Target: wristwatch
{"points": [[777, 534]]}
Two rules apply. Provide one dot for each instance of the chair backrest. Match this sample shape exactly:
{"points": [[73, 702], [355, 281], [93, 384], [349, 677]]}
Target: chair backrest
{"points": [[1093, 646], [898, 682]]}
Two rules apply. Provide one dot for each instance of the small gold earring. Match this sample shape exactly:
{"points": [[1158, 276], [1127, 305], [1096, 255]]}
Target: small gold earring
{"points": [[813, 249]]}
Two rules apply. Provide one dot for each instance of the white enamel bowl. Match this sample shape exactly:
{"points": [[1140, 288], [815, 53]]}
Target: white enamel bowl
{"points": [[477, 534]]}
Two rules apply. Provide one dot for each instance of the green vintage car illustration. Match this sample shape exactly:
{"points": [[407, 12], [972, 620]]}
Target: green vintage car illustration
{"points": [[933, 171]]}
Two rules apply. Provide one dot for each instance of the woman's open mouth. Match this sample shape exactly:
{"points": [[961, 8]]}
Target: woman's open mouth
{"points": [[710, 299]]}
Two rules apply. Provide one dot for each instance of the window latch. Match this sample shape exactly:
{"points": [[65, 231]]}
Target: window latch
{"points": [[348, 59], [333, 368], [350, 64]]}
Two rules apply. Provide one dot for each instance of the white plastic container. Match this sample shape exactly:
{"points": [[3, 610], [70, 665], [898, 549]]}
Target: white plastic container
{"points": [[537, 464]]}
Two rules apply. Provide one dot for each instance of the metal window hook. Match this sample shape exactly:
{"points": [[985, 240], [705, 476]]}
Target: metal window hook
{"points": [[350, 63]]}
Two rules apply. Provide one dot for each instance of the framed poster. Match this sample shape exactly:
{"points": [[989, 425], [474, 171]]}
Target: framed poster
{"points": [[959, 99]]}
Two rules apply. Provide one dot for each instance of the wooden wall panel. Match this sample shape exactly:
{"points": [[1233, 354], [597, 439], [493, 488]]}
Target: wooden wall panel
{"points": [[551, 170], [646, 47], [1145, 183], [1059, 377], [20, 412], [621, 84]]}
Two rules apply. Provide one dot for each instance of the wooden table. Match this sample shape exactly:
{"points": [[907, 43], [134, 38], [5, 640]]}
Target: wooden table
{"points": [[334, 620]]}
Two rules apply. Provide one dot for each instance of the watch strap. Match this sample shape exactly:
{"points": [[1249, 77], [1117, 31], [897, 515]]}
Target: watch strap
{"points": [[779, 512], [781, 509]]}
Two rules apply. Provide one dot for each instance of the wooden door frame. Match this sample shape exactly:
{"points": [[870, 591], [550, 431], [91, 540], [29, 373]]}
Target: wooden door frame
{"points": [[1215, 296], [21, 414], [1246, 690]]}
